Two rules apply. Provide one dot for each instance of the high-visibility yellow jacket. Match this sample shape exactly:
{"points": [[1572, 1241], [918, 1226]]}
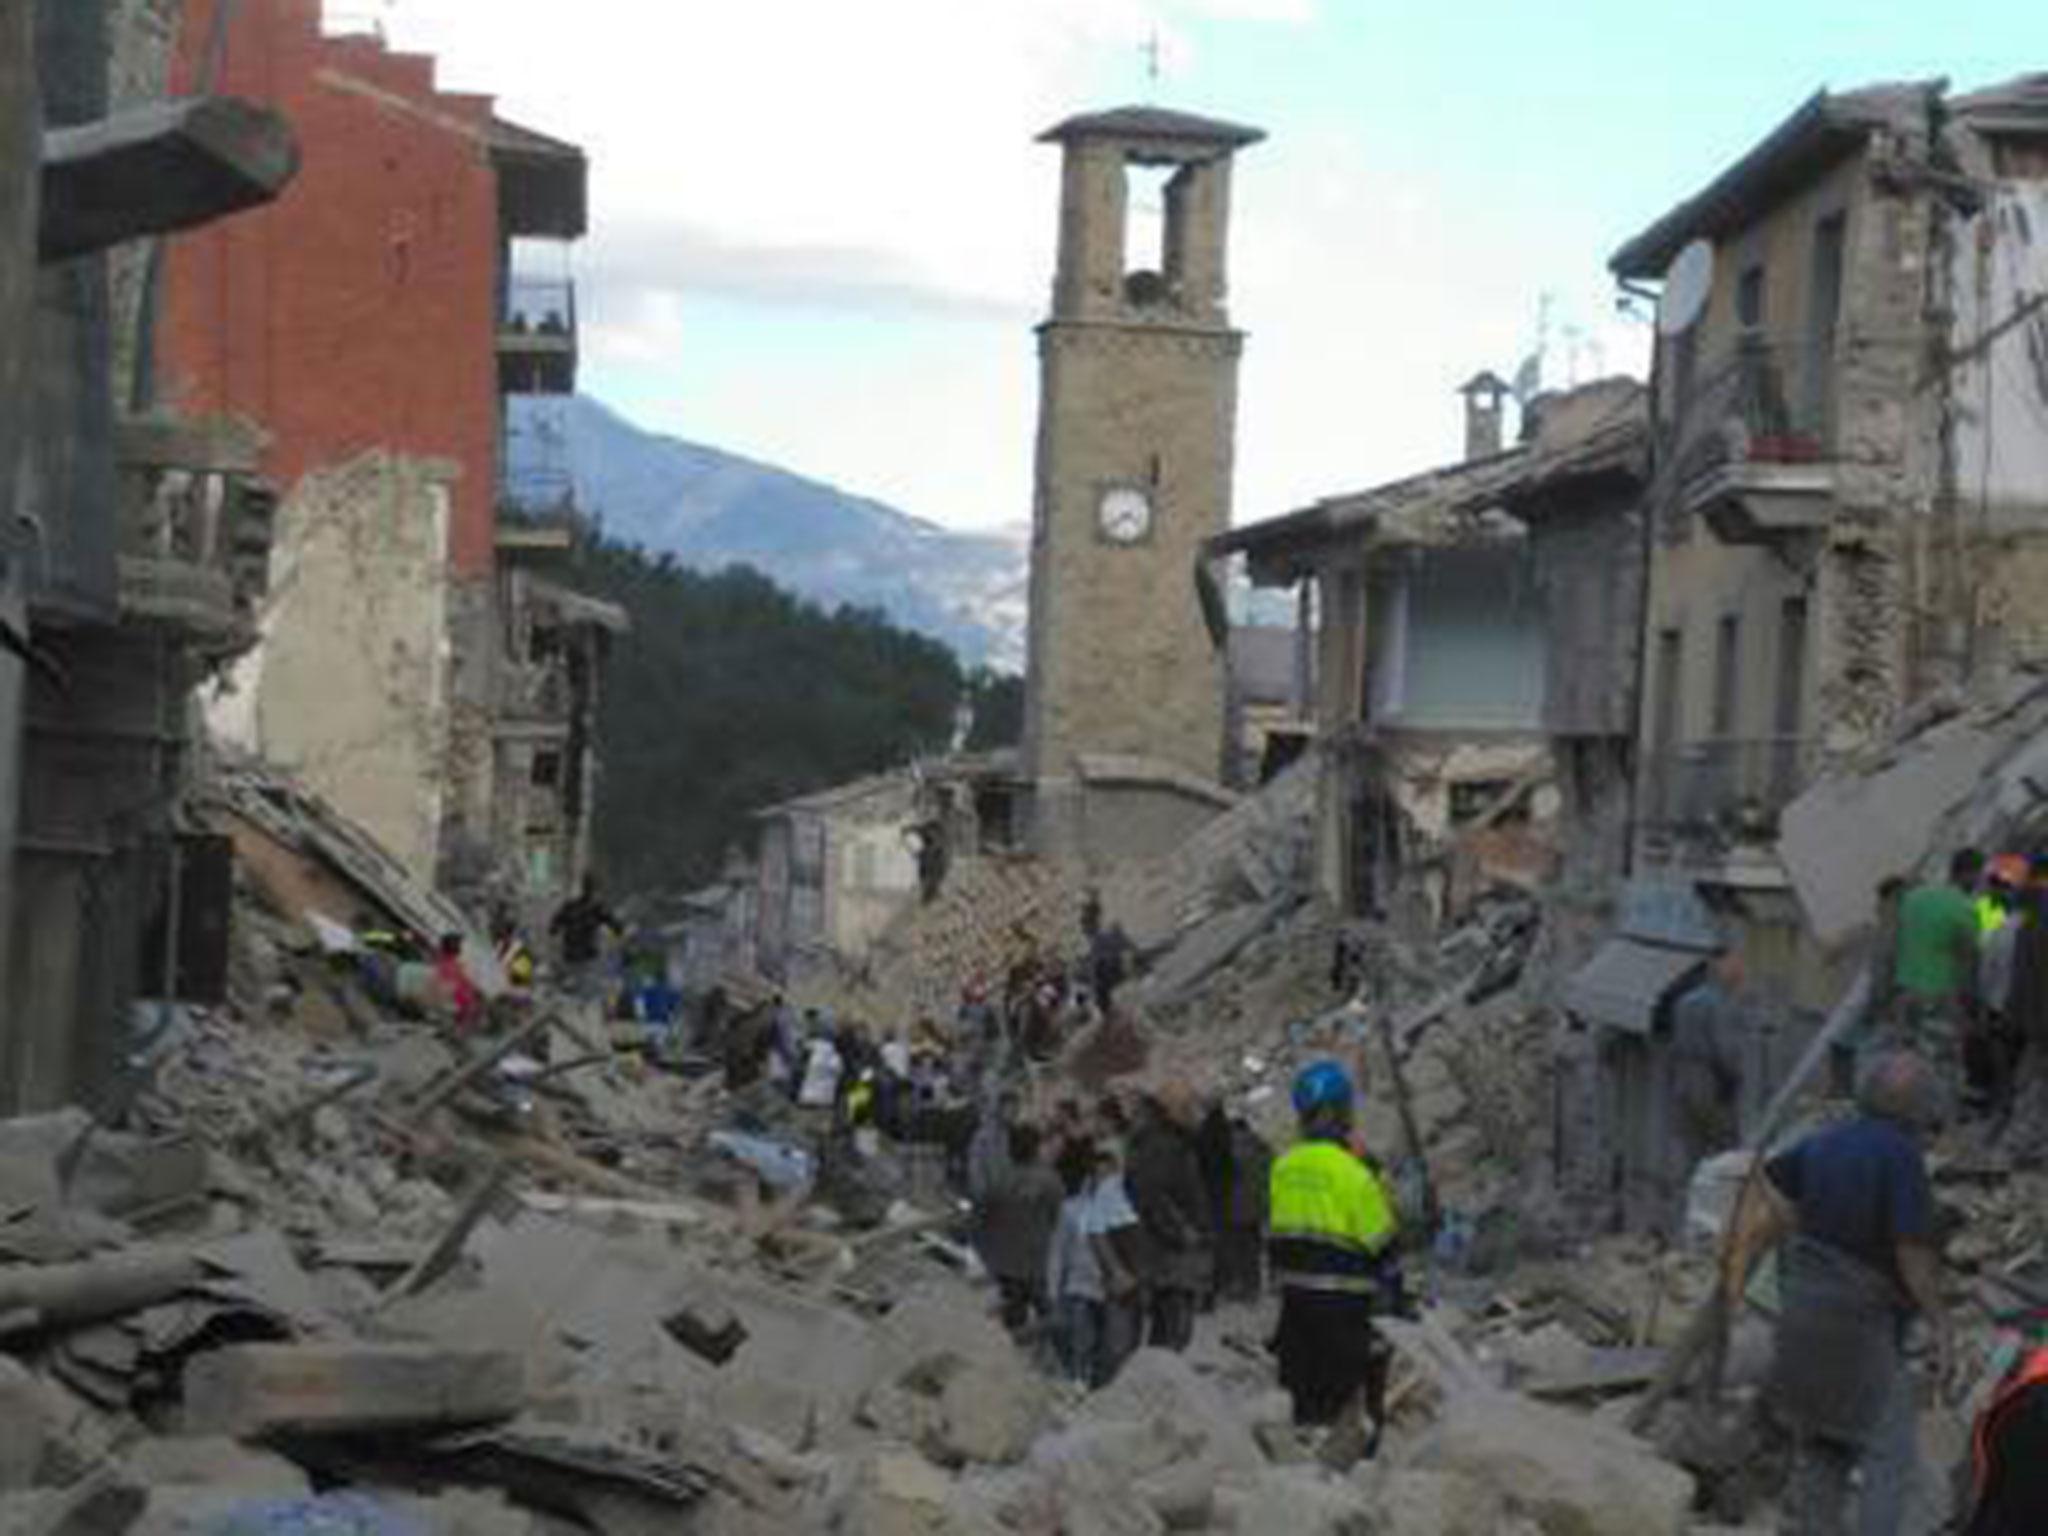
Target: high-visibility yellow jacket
{"points": [[1991, 915], [1330, 1222]]}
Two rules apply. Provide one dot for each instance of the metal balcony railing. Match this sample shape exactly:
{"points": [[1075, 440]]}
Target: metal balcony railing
{"points": [[1752, 403], [534, 497], [541, 308], [1732, 785]]}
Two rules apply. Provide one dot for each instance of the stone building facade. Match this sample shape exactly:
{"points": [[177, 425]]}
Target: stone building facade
{"points": [[1848, 518], [1136, 438]]}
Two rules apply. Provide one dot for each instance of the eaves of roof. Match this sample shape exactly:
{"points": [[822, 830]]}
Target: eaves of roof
{"points": [[1825, 130]]}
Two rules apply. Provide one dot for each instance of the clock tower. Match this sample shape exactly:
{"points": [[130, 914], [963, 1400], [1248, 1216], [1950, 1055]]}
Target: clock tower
{"points": [[1136, 436]]}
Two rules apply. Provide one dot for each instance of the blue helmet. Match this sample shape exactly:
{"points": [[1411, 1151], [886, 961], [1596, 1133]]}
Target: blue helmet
{"points": [[1325, 1085]]}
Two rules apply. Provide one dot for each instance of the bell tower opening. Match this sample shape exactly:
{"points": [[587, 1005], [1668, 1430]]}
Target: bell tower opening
{"points": [[1154, 229]]}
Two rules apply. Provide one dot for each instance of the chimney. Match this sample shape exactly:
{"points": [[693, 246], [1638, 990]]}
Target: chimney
{"points": [[1484, 394]]}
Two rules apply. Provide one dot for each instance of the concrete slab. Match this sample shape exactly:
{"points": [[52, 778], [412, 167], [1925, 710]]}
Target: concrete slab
{"points": [[254, 1388]]}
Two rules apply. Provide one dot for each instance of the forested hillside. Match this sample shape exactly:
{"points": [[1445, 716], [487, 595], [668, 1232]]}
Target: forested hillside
{"points": [[730, 694]]}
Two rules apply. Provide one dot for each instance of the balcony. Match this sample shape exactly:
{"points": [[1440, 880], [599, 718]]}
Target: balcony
{"points": [[195, 530], [1729, 789], [537, 338], [1751, 459]]}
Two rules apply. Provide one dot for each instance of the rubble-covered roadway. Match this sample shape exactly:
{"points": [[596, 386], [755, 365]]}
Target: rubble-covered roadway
{"points": [[329, 1264]]}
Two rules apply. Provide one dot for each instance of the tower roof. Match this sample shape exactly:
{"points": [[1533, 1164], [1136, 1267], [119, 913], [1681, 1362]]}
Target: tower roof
{"points": [[1152, 123]]}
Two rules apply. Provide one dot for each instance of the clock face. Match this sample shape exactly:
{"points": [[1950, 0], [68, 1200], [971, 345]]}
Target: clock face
{"points": [[1125, 515]]}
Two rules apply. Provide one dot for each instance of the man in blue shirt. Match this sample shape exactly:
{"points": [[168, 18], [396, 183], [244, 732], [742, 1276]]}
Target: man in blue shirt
{"points": [[1852, 1207]]}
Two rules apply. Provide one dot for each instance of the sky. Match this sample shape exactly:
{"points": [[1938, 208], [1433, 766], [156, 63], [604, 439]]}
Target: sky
{"points": [[822, 230]]}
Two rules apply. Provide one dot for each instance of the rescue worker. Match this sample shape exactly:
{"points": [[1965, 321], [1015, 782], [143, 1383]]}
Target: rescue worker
{"points": [[1852, 1208], [2009, 1454], [1330, 1245]]}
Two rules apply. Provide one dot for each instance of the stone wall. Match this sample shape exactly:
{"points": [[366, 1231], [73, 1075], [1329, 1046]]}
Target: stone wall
{"points": [[1121, 660], [1138, 390]]}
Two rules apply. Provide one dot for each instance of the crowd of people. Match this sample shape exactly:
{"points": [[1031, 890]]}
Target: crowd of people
{"points": [[1961, 979], [1106, 1220]]}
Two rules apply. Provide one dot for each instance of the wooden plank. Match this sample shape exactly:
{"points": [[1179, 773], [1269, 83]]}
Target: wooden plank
{"points": [[158, 169], [483, 1197]]}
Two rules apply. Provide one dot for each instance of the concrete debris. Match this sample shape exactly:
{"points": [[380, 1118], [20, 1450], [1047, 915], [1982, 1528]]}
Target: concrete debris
{"points": [[1573, 1477], [341, 1258], [259, 1389]]}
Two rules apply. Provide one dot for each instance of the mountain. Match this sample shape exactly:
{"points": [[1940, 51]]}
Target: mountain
{"points": [[711, 509]]}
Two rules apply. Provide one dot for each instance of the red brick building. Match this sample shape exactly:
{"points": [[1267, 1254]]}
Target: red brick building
{"points": [[361, 310], [371, 323]]}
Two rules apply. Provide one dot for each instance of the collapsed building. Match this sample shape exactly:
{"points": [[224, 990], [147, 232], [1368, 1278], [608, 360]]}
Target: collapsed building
{"points": [[136, 545], [1474, 633], [423, 659]]}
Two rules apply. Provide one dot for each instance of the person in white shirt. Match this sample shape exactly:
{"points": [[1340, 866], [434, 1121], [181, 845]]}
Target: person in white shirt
{"points": [[822, 1068], [1073, 1273], [1116, 1239]]}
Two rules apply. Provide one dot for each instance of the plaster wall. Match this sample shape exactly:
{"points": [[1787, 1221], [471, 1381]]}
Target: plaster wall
{"points": [[349, 685], [873, 878]]}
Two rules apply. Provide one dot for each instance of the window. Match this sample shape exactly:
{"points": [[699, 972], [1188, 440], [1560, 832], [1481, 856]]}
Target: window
{"points": [[1749, 297], [547, 769], [1670, 660], [545, 643], [1146, 190], [1727, 675], [1789, 714], [1824, 314], [1664, 723]]}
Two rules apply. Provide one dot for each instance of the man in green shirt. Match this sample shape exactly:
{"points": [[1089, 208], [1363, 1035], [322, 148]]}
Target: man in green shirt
{"points": [[1935, 968]]}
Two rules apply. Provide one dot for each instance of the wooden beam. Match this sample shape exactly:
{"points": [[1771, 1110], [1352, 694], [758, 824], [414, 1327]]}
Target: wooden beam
{"points": [[164, 167]]}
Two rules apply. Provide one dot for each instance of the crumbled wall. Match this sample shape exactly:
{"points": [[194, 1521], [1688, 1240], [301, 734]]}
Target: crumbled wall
{"points": [[349, 686], [1874, 657], [467, 858]]}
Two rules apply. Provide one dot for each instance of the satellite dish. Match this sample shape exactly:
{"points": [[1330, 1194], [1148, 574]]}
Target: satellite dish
{"points": [[1686, 287]]}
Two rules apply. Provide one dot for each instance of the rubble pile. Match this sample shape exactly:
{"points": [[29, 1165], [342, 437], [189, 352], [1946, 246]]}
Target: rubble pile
{"points": [[331, 1261], [248, 1314], [1449, 1027], [972, 930], [1187, 913]]}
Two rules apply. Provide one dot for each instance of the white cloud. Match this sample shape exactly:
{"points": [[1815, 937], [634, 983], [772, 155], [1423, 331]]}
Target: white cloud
{"points": [[878, 159]]}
